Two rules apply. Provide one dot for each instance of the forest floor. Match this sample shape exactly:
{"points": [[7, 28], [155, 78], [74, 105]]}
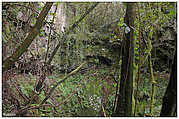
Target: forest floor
{"points": [[21, 88]]}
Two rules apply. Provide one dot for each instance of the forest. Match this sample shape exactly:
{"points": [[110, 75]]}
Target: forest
{"points": [[89, 59]]}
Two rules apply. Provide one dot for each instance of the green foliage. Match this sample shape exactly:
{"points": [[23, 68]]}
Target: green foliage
{"points": [[120, 24], [42, 33], [34, 21]]}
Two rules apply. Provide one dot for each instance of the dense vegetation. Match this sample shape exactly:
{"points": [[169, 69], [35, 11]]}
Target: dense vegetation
{"points": [[89, 59]]}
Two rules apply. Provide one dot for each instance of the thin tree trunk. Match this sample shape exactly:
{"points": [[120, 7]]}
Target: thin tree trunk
{"points": [[124, 105]]}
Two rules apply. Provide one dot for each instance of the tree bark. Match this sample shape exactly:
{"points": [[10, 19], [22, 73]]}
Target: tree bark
{"points": [[23, 47], [124, 105]]}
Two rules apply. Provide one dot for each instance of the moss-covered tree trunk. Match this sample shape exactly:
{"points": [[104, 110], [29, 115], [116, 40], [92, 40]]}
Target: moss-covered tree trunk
{"points": [[23, 47], [124, 104], [169, 105]]}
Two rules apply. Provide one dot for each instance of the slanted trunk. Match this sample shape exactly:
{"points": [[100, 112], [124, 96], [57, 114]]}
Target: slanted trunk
{"points": [[169, 105]]}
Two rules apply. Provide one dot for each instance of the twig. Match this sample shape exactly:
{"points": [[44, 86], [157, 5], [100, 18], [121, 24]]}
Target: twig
{"points": [[104, 111], [31, 107], [20, 92]]}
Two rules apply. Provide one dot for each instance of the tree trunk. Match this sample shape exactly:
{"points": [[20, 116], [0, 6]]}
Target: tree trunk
{"points": [[124, 105], [170, 98]]}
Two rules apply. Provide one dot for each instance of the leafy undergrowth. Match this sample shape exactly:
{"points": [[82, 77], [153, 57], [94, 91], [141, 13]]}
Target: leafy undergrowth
{"points": [[80, 95], [85, 94]]}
